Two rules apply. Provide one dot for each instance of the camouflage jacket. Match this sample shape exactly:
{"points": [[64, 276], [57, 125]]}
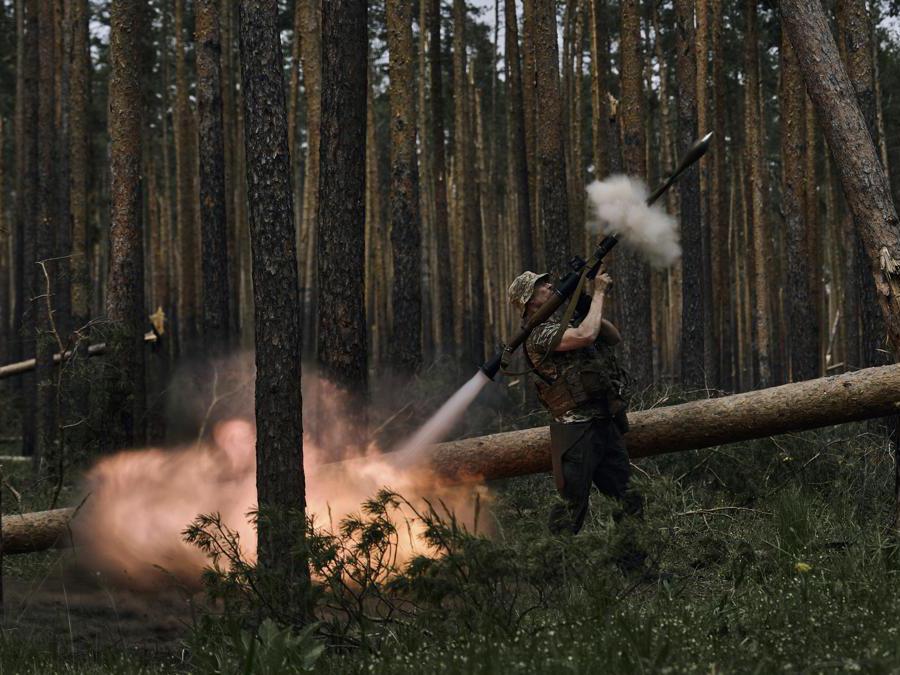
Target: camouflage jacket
{"points": [[599, 359]]}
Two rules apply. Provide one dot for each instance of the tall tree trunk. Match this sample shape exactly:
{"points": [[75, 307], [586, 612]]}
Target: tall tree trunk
{"points": [[185, 147], [214, 228], [804, 337], [5, 267], [693, 289], [79, 93], [342, 180], [311, 56], [530, 105], [633, 289], [406, 222], [518, 157], [719, 222], [125, 295], [63, 246], [43, 297], [280, 484], [467, 197], [426, 193], [600, 88], [233, 178], [855, 31], [759, 228], [551, 158], [444, 278]]}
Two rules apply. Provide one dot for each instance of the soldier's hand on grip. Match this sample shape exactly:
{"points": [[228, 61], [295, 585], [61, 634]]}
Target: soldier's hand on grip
{"points": [[602, 283]]}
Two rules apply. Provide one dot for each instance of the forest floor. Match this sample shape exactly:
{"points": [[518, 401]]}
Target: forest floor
{"points": [[762, 556]]}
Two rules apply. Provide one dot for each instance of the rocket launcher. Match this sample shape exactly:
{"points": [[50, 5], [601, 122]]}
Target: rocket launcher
{"points": [[566, 288]]}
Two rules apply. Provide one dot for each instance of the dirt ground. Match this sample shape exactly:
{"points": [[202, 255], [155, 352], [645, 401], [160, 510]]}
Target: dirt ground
{"points": [[78, 611]]}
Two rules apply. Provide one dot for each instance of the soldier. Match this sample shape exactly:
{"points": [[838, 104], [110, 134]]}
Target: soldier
{"points": [[585, 390]]}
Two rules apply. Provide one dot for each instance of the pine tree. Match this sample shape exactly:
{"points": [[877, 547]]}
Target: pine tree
{"points": [[280, 483]]}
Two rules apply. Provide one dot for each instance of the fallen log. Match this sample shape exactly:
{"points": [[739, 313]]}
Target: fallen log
{"points": [[864, 394], [27, 365], [36, 531]]}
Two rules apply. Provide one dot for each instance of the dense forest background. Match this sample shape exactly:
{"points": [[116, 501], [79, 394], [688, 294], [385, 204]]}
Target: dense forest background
{"points": [[772, 286], [192, 188]]}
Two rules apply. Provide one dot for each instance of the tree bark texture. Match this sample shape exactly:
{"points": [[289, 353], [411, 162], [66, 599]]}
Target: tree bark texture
{"points": [[759, 228], [444, 278], [600, 89], [863, 394], [406, 220], [803, 331], [311, 57], [341, 228], [693, 288], [125, 418], [79, 95], [855, 31], [213, 227], [188, 241], [633, 287], [862, 177], [518, 154], [279, 424], [471, 278], [43, 297], [551, 158]]}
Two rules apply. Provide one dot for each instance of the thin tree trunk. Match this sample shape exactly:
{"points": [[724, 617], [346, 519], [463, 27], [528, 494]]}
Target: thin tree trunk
{"points": [[406, 221], [530, 105], [341, 351], [759, 228], [517, 142], [280, 484], [803, 329], [79, 93], [855, 31], [125, 295], [600, 89], [694, 290], [188, 244], [467, 197], [214, 228], [444, 278], [43, 296], [311, 56], [551, 159], [719, 223], [633, 289], [5, 268]]}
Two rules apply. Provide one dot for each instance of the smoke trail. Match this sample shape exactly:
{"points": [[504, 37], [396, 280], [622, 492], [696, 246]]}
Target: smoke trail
{"points": [[619, 205]]}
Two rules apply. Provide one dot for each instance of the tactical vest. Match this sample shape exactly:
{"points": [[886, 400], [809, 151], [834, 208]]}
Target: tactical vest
{"points": [[594, 378]]}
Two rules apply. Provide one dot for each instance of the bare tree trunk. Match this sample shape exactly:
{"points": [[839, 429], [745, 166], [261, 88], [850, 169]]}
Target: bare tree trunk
{"points": [[43, 297], [406, 222], [341, 351], [693, 367], [467, 197], [426, 195], [188, 244], [633, 289], [125, 418], [5, 269], [214, 228], [530, 104], [551, 159], [311, 56], [855, 31], [280, 484], [517, 143], [719, 222], [803, 328], [79, 93], [759, 229], [600, 90]]}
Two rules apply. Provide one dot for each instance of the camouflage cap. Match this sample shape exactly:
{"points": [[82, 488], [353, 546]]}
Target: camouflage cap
{"points": [[522, 288]]}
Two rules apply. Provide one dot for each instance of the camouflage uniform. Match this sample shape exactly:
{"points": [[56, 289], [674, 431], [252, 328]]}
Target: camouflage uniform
{"points": [[587, 441]]}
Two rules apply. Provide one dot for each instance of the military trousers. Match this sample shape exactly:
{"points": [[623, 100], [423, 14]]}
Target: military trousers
{"points": [[585, 454]]}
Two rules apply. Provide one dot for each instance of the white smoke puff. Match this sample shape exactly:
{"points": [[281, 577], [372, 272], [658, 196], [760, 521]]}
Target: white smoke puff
{"points": [[619, 205]]}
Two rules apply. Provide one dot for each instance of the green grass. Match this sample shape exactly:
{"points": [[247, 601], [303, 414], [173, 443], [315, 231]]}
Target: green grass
{"points": [[770, 555]]}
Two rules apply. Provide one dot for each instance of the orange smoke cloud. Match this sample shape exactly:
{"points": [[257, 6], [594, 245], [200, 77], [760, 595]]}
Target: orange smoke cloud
{"points": [[139, 502]]}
